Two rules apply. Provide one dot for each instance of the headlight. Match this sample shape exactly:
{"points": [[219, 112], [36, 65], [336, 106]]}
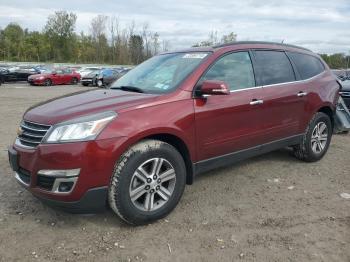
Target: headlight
{"points": [[80, 129]]}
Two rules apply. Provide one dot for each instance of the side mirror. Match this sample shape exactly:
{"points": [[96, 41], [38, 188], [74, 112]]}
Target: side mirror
{"points": [[214, 87], [54, 73]]}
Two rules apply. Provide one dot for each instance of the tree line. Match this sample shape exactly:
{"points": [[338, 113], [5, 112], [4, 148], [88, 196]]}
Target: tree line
{"points": [[337, 61], [107, 42]]}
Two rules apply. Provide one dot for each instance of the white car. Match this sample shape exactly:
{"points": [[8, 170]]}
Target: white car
{"points": [[87, 70]]}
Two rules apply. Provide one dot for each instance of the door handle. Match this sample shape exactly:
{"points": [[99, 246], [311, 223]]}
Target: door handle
{"points": [[301, 93], [256, 102]]}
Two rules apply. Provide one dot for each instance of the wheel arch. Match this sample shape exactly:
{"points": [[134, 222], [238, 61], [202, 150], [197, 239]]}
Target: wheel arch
{"points": [[329, 111], [172, 138], [180, 146]]}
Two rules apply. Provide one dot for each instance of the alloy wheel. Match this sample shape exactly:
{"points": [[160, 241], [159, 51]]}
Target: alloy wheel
{"points": [[47, 82], [152, 184], [319, 138]]}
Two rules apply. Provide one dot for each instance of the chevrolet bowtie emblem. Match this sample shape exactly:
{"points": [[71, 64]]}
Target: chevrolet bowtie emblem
{"points": [[19, 131]]}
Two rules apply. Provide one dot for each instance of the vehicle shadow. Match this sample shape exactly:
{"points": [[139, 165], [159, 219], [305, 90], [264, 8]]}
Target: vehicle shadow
{"points": [[282, 155]]}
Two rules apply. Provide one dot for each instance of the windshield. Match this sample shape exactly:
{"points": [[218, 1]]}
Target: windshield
{"points": [[161, 73]]}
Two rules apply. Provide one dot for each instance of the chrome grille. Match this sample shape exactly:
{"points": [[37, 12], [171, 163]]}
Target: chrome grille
{"points": [[31, 134], [346, 94]]}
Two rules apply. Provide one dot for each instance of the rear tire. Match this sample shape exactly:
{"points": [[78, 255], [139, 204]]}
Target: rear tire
{"points": [[48, 82], [316, 139], [147, 183]]}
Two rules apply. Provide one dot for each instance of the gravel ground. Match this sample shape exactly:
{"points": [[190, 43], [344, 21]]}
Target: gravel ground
{"points": [[269, 208]]}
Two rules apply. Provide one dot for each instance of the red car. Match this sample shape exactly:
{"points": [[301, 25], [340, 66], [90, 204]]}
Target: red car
{"points": [[56, 77], [178, 114]]}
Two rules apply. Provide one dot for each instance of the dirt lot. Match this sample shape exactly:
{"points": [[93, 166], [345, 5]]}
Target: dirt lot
{"points": [[270, 208]]}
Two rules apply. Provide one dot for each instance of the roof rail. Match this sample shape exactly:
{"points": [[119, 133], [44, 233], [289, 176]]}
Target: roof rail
{"points": [[261, 42]]}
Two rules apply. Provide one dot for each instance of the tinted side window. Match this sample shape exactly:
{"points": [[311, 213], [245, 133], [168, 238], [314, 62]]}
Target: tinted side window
{"points": [[307, 65], [235, 69], [273, 67]]}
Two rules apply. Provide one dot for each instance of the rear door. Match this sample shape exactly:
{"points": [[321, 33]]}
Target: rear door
{"points": [[309, 69], [282, 105], [67, 76], [229, 123]]}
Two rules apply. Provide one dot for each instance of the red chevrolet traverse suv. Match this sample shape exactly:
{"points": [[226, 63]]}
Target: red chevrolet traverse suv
{"points": [[135, 146]]}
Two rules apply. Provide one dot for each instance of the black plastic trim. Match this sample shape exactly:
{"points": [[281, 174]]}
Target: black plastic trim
{"points": [[262, 43], [93, 201], [231, 158]]}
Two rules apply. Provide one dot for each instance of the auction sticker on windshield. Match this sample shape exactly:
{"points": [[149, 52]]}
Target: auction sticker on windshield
{"points": [[195, 55]]}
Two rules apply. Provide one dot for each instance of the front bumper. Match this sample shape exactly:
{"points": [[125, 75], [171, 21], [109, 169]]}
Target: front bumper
{"points": [[93, 201], [95, 159], [86, 80], [36, 81]]}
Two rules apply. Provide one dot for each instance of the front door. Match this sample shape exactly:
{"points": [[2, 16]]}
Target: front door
{"points": [[229, 123]]}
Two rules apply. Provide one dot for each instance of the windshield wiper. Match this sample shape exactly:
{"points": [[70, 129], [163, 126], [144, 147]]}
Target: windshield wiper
{"points": [[129, 88]]}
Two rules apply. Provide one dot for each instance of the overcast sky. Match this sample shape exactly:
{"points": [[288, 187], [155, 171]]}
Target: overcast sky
{"points": [[321, 25]]}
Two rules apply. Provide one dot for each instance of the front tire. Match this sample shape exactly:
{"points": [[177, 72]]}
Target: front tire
{"points": [[74, 81], [316, 140], [147, 183], [100, 83]]}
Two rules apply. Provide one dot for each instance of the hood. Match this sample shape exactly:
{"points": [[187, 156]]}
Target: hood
{"points": [[84, 103]]}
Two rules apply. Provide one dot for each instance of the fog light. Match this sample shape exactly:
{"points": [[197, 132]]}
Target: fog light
{"points": [[65, 186], [60, 173]]}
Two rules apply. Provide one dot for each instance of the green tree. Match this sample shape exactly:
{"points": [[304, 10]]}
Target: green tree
{"points": [[13, 41], [229, 38], [136, 49], [60, 32]]}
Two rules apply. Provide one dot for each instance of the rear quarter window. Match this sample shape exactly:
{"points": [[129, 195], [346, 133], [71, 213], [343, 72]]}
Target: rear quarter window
{"points": [[307, 65]]}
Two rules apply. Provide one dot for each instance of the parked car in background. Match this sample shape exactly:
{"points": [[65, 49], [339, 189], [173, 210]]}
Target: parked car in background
{"points": [[87, 70], [108, 76], [41, 68], [137, 144], [342, 74], [345, 92], [3, 71], [55, 77], [18, 73], [104, 76], [90, 78]]}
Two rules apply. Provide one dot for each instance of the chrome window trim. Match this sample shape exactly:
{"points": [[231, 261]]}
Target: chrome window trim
{"points": [[273, 85], [245, 89], [296, 81]]}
